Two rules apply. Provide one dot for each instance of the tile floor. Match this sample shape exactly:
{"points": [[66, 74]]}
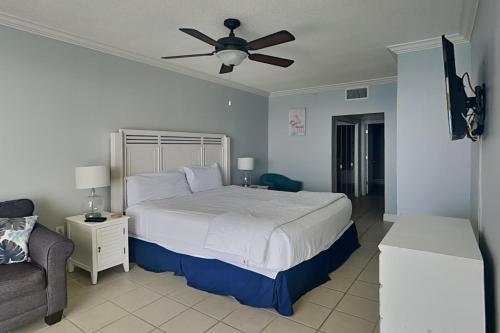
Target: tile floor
{"points": [[141, 301]]}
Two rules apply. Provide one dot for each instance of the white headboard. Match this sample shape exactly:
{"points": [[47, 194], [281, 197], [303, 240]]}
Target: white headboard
{"points": [[143, 151]]}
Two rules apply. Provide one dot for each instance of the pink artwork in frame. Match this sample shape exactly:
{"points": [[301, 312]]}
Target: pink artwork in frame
{"points": [[297, 122]]}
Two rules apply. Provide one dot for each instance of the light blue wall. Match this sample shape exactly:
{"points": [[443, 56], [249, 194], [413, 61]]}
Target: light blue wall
{"points": [[59, 102], [485, 47], [308, 158], [433, 171]]}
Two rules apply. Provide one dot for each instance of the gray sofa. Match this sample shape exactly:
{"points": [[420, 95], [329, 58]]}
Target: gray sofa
{"points": [[36, 289]]}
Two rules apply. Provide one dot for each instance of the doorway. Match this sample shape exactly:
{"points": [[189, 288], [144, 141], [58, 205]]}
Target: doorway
{"points": [[358, 155]]}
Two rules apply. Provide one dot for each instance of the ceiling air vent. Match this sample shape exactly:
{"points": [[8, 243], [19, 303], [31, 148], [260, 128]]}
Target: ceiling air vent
{"points": [[356, 93]]}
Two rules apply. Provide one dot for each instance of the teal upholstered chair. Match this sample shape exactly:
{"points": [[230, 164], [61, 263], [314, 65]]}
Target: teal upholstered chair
{"points": [[279, 182]]}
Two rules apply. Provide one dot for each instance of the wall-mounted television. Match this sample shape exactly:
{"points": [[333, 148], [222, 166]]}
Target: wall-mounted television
{"points": [[465, 114]]}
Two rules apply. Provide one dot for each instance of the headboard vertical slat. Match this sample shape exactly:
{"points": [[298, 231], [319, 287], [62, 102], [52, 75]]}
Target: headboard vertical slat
{"points": [[139, 151]]}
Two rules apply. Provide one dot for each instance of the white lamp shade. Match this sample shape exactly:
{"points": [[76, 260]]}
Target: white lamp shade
{"points": [[246, 163], [91, 177]]}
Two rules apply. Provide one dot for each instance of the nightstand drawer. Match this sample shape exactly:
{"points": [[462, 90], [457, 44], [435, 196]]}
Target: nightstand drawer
{"points": [[110, 246]]}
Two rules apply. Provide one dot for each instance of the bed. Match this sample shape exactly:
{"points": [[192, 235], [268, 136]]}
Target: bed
{"points": [[265, 248]]}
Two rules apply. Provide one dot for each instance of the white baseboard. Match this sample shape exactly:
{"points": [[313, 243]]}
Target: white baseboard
{"points": [[391, 217]]}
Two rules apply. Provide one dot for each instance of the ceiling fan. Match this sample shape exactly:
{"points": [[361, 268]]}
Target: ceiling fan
{"points": [[233, 50]]}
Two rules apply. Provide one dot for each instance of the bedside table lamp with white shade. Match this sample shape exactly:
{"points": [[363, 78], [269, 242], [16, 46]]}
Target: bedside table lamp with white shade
{"points": [[92, 177], [246, 164]]}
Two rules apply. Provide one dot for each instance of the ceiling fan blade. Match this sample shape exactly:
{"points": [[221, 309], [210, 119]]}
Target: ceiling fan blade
{"points": [[189, 55], [199, 35], [226, 69], [282, 62], [279, 37]]}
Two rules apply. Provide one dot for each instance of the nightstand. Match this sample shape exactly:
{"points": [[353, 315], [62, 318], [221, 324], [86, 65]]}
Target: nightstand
{"points": [[98, 246]]}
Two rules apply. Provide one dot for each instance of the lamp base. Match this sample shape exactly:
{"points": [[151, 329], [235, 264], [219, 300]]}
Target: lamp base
{"points": [[94, 205], [247, 179], [92, 215]]}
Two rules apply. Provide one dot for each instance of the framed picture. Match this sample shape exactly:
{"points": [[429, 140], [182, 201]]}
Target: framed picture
{"points": [[297, 122]]}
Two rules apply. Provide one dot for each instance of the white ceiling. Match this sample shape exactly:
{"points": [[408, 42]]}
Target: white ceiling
{"points": [[337, 41]]}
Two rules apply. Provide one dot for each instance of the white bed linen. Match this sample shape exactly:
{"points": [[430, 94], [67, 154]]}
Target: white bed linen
{"points": [[181, 225], [246, 232]]}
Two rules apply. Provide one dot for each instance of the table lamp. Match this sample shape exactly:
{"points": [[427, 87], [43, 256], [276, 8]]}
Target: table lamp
{"points": [[92, 177], [246, 164]]}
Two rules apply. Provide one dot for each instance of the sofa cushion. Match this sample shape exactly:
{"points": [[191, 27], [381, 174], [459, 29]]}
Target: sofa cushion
{"points": [[20, 279], [17, 208], [17, 307]]}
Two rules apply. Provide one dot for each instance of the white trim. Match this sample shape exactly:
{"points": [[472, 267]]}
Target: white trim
{"points": [[425, 44], [336, 86], [117, 172], [467, 22], [468, 19], [49, 32], [391, 217]]}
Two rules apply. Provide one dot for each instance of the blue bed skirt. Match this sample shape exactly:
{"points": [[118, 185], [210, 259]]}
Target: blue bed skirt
{"points": [[247, 287]]}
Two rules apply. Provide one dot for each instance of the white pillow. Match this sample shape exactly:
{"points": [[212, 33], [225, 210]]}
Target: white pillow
{"points": [[204, 178], [155, 186]]}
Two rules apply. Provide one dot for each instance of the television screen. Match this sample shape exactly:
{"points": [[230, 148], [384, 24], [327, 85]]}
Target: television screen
{"points": [[455, 93]]}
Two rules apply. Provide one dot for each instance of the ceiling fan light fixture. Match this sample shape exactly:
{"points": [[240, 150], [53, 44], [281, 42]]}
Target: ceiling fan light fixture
{"points": [[232, 50], [232, 57]]}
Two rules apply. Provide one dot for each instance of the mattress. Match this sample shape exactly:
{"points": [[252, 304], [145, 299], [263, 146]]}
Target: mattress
{"points": [[181, 225]]}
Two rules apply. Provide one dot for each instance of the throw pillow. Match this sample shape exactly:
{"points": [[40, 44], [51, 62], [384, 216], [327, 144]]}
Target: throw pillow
{"points": [[14, 235]]}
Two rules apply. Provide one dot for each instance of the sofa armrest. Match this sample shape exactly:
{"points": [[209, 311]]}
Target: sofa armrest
{"points": [[51, 251]]}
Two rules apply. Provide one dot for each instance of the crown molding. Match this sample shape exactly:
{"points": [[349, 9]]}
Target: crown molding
{"points": [[467, 22], [336, 86], [49, 32], [425, 44], [468, 19]]}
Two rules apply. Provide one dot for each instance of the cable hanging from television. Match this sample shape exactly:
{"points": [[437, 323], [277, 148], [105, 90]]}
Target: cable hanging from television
{"points": [[466, 113], [471, 117]]}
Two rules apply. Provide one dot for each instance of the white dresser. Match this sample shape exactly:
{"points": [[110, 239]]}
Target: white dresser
{"points": [[431, 277], [98, 246]]}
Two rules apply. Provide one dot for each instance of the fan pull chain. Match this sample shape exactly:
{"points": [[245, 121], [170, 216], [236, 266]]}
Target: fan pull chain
{"points": [[229, 102]]}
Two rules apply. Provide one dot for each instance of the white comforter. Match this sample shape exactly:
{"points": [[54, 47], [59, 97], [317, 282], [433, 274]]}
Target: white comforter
{"points": [[246, 231], [183, 224]]}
